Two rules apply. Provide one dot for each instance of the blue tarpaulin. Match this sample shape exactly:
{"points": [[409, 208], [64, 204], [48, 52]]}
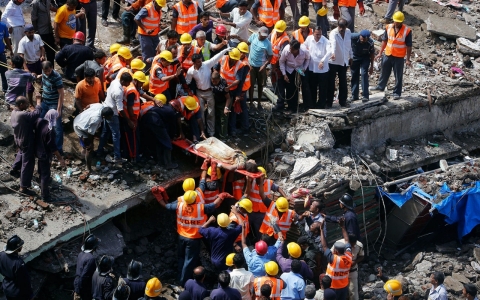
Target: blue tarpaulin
{"points": [[458, 207]]}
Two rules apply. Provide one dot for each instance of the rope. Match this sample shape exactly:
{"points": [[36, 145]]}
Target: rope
{"points": [[363, 205], [50, 47]]}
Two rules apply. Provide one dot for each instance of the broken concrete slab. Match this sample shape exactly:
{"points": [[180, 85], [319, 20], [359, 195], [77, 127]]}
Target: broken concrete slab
{"points": [[460, 277], [450, 28], [453, 285], [476, 253], [424, 266], [319, 137], [467, 47], [303, 166]]}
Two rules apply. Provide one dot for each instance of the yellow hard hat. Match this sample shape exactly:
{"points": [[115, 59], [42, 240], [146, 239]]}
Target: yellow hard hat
{"points": [[140, 76], [304, 21], [234, 54], [219, 172], [398, 17], [190, 197], [393, 287], [137, 64], [281, 204], [124, 52], [191, 103], [229, 259], [246, 204], [114, 47], [161, 3], [243, 47], [185, 38], [153, 287], [280, 26], [271, 268], [262, 169], [294, 250], [146, 84], [166, 55], [189, 183], [163, 99], [322, 11], [223, 220]]}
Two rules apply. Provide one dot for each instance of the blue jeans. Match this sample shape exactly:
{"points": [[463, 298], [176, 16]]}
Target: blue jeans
{"points": [[129, 22], [58, 127], [114, 127], [360, 67], [148, 44], [321, 21], [188, 257], [3, 58], [243, 117]]}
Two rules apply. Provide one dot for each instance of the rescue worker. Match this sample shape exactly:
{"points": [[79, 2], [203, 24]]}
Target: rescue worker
{"points": [[185, 16], [349, 215], [244, 208], [189, 108], [72, 56], [363, 49], [212, 183], [220, 39], [86, 266], [16, 280], [118, 61], [189, 185], [257, 258], [304, 31], [321, 11], [393, 287], [279, 39], [162, 72], [114, 48], [134, 280], [96, 64], [45, 148], [282, 215], [153, 289], [129, 25], [277, 284], [312, 257], [103, 285], [229, 261], [347, 11], [267, 12], [148, 22], [294, 252], [190, 218], [206, 48], [397, 43], [339, 262], [122, 292], [186, 51]]}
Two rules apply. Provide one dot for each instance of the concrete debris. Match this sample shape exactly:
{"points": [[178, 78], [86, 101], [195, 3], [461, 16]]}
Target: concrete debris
{"points": [[424, 266], [467, 47], [303, 166], [452, 29], [453, 285]]}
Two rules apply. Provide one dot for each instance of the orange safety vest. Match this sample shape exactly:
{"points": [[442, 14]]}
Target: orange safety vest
{"points": [[276, 45], [339, 269], [145, 107], [187, 17], [136, 105], [228, 73], [123, 70], [211, 196], [246, 83], [233, 218], [151, 21], [347, 3], [297, 34], [220, 3], [269, 14], [284, 222], [189, 114], [237, 187], [187, 61], [396, 42], [190, 218], [275, 283], [254, 195], [156, 85], [200, 197]]}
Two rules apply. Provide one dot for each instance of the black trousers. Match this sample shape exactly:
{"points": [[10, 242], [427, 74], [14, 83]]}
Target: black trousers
{"points": [[106, 8], [318, 86], [44, 173], [49, 39], [341, 71]]}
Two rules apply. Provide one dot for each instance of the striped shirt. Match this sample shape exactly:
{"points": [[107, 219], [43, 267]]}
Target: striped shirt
{"points": [[51, 84]]}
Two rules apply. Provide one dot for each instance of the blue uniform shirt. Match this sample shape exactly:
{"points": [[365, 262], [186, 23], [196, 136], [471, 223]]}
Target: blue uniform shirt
{"points": [[221, 243], [197, 290], [361, 50], [3, 35]]}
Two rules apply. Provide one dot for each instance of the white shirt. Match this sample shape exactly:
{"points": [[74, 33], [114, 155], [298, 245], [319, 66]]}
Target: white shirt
{"points": [[288, 62], [242, 280], [341, 47], [115, 96], [440, 293], [241, 24], [30, 49], [203, 74], [13, 15], [88, 121], [319, 52]]}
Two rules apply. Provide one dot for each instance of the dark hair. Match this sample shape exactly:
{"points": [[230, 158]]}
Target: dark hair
{"points": [[71, 2], [172, 34], [294, 44], [196, 56], [46, 65], [238, 260], [342, 22], [270, 240], [310, 291], [170, 48], [320, 206], [224, 279], [89, 72], [200, 274], [266, 290], [204, 14], [215, 75], [352, 238], [106, 112], [17, 61], [126, 77], [243, 3], [471, 289], [20, 100], [318, 28], [439, 277], [296, 266], [99, 54], [251, 166], [326, 282]]}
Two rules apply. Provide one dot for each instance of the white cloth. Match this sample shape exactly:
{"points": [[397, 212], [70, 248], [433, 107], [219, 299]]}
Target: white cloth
{"points": [[440, 293], [30, 49], [319, 51], [203, 74], [51, 116], [319, 295], [241, 24], [288, 62], [114, 98], [242, 280], [88, 122], [341, 47], [17, 34], [13, 15]]}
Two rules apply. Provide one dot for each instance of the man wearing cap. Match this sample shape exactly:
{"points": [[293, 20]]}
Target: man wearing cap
{"points": [[349, 215], [16, 280], [294, 252], [397, 43], [271, 280], [148, 22], [469, 291], [13, 17], [86, 266], [392, 6], [363, 56], [72, 56]]}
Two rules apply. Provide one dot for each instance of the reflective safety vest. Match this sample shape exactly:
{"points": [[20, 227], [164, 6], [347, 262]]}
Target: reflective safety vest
{"points": [[188, 114], [205, 50], [156, 85], [151, 21], [275, 283], [284, 222], [297, 34], [254, 195], [276, 45], [190, 218], [233, 218], [187, 17], [123, 70], [113, 64], [136, 105], [238, 186], [246, 83], [187, 61], [347, 3], [339, 269], [211, 196], [145, 107], [269, 14], [200, 197], [396, 42], [228, 73]]}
